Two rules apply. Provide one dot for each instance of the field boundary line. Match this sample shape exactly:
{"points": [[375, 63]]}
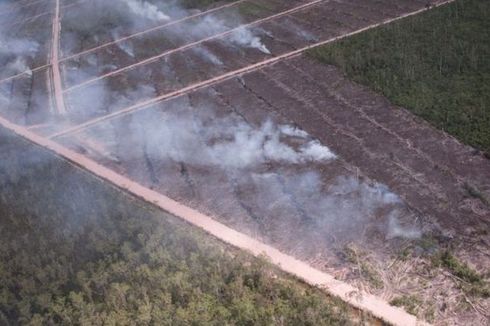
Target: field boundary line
{"points": [[229, 75], [152, 29], [193, 44], [312, 276]]}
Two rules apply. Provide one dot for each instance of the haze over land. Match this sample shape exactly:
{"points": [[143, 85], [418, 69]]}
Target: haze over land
{"points": [[236, 110]]}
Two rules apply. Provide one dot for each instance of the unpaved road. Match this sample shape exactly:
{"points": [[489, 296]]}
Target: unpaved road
{"points": [[55, 66]]}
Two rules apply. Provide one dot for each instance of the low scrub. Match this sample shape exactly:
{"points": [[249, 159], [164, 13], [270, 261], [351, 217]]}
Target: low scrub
{"points": [[434, 64]]}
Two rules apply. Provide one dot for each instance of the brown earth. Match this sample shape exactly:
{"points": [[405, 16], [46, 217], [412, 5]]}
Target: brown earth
{"points": [[397, 192]]}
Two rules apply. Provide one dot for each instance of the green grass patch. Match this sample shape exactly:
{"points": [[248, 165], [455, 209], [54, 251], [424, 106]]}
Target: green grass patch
{"points": [[436, 64]]}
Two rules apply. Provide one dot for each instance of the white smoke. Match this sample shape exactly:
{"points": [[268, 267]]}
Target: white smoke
{"points": [[18, 66], [293, 131], [99, 17], [228, 142], [316, 151], [88, 101], [15, 53], [83, 106], [208, 55], [210, 141], [125, 46], [146, 10], [344, 207], [204, 27], [4, 100], [249, 146], [19, 47], [298, 30], [397, 230], [244, 37]]}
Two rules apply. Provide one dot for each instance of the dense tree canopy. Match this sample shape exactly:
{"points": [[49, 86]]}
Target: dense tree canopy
{"points": [[434, 64]]}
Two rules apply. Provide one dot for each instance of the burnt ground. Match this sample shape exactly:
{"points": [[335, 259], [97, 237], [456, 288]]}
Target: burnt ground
{"points": [[321, 211], [213, 57], [294, 153], [208, 59], [35, 33]]}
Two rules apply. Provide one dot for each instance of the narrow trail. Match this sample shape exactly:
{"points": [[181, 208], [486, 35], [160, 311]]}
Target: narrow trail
{"points": [[55, 66], [147, 103], [359, 299], [193, 44], [168, 24]]}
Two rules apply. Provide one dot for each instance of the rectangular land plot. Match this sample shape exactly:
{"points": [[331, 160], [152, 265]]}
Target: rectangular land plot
{"points": [[224, 53]]}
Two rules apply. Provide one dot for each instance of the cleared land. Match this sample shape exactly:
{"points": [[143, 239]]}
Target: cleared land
{"points": [[289, 152]]}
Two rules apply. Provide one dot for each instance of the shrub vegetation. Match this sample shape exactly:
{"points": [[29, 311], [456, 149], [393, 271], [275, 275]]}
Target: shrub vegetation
{"points": [[435, 64]]}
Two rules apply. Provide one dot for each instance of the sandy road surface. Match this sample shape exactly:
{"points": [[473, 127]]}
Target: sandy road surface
{"points": [[55, 67]]}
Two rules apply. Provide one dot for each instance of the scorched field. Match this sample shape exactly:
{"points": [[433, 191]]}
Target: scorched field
{"points": [[215, 110]]}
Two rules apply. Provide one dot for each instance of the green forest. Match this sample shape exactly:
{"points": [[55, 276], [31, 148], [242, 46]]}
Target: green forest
{"points": [[436, 64], [75, 250]]}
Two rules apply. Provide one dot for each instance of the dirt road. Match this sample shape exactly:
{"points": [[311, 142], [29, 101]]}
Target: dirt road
{"points": [[55, 67]]}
